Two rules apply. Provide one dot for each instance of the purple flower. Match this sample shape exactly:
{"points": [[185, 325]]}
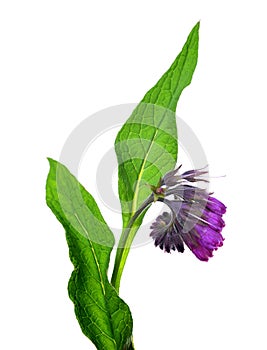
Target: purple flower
{"points": [[216, 206], [172, 178], [195, 218], [165, 235]]}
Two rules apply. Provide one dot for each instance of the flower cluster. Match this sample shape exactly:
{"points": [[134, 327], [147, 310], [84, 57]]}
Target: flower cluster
{"points": [[195, 216]]}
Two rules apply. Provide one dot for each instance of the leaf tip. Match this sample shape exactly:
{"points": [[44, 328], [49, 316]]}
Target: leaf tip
{"points": [[53, 164], [50, 160], [196, 27], [50, 177]]}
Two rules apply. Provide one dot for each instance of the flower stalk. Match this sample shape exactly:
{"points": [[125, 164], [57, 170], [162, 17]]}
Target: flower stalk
{"points": [[125, 242]]}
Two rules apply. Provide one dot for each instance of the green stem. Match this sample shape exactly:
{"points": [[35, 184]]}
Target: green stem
{"points": [[125, 242]]}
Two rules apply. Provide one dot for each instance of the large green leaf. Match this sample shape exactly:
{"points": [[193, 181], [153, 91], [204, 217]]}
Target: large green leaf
{"points": [[146, 145], [103, 316]]}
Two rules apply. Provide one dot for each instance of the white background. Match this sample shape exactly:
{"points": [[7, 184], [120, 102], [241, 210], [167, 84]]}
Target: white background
{"points": [[64, 60]]}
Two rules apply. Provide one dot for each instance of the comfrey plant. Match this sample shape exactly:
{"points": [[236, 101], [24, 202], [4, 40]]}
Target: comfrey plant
{"points": [[146, 148]]}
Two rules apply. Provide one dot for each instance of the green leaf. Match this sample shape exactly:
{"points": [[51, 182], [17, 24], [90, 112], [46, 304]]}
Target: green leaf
{"points": [[102, 315], [146, 145]]}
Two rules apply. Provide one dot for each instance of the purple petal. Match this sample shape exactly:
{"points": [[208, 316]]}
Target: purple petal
{"points": [[209, 238], [202, 241], [214, 220], [193, 175], [216, 206], [171, 178], [202, 253]]}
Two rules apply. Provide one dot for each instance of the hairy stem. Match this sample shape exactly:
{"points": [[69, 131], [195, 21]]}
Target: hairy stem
{"points": [[125, 242]]}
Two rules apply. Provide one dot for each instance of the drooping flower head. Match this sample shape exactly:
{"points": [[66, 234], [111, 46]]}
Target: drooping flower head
{"points": [[195, 217]]}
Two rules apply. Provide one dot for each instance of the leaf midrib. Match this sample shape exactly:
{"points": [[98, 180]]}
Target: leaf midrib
{"points": [[100, 277], [94, 253], [137, 187]]}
